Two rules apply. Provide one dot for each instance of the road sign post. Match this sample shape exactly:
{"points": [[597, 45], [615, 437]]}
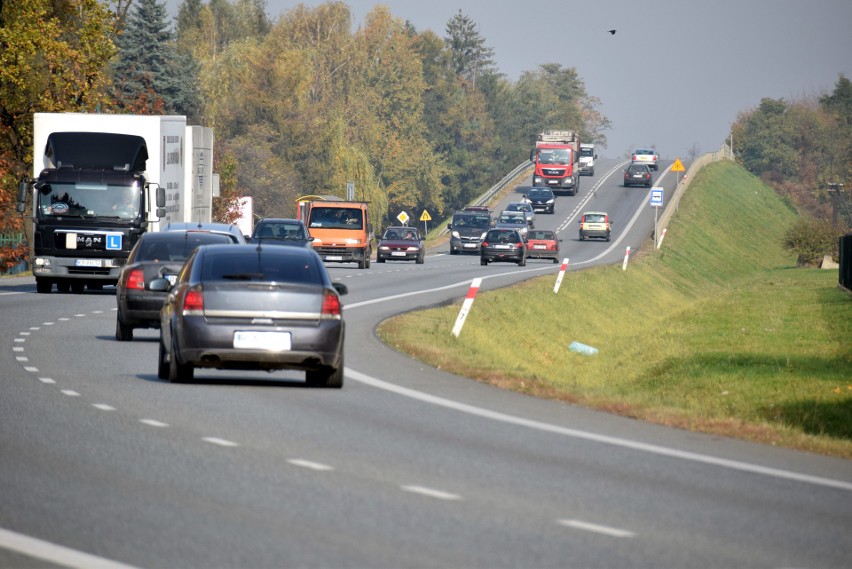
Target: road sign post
{"points": [[656, 201]]}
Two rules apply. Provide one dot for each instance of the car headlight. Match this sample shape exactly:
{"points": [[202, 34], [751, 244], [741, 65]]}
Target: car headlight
{"points": [[456, 235], [550, 201], [384, 248]]}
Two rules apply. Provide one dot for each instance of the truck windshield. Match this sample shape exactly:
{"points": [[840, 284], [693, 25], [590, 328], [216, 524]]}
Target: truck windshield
{"points": [[83, 199], [553, 156], [336, 218], [586, 152]]}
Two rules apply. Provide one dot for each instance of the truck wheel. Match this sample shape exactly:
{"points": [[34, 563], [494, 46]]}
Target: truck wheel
{"points": [[420, 259], [380, 259], [44, 286], [522, 262], [63, 286], [362, 264]]}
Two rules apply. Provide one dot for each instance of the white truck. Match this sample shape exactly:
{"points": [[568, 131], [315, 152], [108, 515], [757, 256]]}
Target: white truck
{"points": [[102, 180], [587, 159]]}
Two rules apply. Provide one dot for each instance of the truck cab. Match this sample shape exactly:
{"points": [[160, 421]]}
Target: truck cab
{"points": [[555, 157], [587, 159]]}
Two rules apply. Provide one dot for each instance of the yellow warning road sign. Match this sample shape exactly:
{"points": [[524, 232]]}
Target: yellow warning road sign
{"points": [[425, 216], [678, 166]]}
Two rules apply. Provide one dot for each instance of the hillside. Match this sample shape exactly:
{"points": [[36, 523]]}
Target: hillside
{"points": [[718, 331]]}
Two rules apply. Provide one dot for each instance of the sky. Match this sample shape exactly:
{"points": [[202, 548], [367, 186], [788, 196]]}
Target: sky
{"points": [[676, 73]]}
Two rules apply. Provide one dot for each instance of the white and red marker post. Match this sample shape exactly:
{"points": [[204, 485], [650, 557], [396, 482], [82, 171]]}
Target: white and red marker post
{"points": [[561, 274], [468, 302], [626, 256]]}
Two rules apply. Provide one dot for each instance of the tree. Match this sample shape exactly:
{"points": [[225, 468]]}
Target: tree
{"points": [[471, 58], [52, 59], [151, 76]]}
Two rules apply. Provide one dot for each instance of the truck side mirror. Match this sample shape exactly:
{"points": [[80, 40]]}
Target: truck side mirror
{"points": [[161, 198], [22, 196], [532, 155]]}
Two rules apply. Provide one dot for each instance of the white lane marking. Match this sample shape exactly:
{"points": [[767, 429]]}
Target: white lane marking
{"points": [[220, 442], [18, 349], [50, 552], [605, 530], [310, 464], [153, 423], [22, 358], [103, 406], [35, 328], [431, 493], [63, 319], [46, 380], [80, 315], [20, 339], [48, 323], [97, 312], [24, 333], [70, 392], [31, 369], [594, 437]]}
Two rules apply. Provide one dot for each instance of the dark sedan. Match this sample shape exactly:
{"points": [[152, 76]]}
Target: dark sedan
{"points": [[542, 199], [401, 244], [637, 175], [281, 231], [253, 307], [503, 245], [156, 255]]}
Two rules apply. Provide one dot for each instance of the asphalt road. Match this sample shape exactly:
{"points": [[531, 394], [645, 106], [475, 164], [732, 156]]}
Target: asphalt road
{"points": [[104, 465]]}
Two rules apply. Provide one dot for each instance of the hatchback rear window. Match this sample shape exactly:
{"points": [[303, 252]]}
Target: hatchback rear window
{"points": [[180, 247]]}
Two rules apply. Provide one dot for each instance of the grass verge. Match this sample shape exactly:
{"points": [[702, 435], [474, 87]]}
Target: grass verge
{"points": [[716, 332]]}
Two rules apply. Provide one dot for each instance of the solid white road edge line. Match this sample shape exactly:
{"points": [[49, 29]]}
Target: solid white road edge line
{"points": [[64, 556], [431, 493], [594, 437]]}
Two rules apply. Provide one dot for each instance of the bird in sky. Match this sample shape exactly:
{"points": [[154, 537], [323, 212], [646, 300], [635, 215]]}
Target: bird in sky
{"points": [[612, 32]]}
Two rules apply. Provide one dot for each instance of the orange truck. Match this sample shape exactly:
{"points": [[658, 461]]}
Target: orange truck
{"points": [[556, 157], [341, 230]]}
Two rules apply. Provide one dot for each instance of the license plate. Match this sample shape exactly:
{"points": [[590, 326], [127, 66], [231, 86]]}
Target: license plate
{"points": [[333, 258], [398, 253], [254, 340], [88, 263], [638, 175], [539, 246], [470, 245], [502, 246]]}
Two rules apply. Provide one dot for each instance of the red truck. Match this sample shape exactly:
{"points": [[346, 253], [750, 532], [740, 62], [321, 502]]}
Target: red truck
{"points": [[556, 157]]}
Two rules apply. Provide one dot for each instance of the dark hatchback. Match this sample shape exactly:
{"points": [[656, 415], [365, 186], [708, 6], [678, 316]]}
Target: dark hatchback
{"points": [[401, 244], [637, 175], [542, 199], [156, 255], [503, 245], [253, 307]]}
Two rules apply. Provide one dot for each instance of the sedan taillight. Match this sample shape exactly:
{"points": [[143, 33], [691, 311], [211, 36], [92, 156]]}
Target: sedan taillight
{"points": [[193, 302], [136, 280], [330, 305]]}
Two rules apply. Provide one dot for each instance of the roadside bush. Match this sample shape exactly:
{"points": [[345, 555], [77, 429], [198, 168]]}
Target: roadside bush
{"points": [[811, 239]]}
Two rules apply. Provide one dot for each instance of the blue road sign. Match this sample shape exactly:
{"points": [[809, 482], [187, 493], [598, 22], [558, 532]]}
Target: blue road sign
{"points": [[656, 197], [113, 242]]}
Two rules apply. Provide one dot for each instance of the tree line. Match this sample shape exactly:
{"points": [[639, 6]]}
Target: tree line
{"points": [[300, 104]]}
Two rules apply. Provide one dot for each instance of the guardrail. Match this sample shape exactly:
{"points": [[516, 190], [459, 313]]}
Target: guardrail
{"points": [[497, 188], [724, 153]]}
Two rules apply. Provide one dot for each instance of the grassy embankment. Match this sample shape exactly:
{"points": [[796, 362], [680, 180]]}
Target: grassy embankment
{"points": [[717, 331]]}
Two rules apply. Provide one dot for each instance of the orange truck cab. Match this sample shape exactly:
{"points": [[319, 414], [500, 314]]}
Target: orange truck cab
{"points": [[341, 230], [556, 157]]}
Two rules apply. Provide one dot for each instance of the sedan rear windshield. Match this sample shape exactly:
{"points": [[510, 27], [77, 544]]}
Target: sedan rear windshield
{"points": [[263, 265]]}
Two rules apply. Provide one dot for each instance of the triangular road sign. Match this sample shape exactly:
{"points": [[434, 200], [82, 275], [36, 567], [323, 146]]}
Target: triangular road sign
{"points": [[678, 166]]}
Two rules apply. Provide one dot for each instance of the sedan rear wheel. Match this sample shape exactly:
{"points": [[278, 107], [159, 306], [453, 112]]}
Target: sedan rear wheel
{"points": [[163, 362], [123, 333], [326, 377], [178, 372]]}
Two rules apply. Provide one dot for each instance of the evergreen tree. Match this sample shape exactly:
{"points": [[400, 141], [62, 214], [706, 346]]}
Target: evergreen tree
{"points": [[151, 75], [470, 56]]}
